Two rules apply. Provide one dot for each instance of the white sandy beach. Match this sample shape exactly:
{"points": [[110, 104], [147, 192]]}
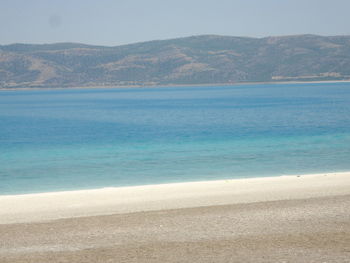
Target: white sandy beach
{"points": [[277, 219], [106, 201]]}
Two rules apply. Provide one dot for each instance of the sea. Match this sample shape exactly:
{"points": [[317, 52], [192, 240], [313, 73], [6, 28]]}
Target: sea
{"points": [[70, 139]]}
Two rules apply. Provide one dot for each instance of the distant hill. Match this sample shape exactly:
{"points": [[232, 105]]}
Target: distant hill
{"points": [[191, 60]]}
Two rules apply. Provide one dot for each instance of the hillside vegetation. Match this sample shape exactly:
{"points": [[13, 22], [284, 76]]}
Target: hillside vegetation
{"points": [[191, 60]]}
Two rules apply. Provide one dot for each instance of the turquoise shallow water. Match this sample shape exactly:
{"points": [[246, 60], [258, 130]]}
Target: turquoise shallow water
{"points": [[54, 140]]}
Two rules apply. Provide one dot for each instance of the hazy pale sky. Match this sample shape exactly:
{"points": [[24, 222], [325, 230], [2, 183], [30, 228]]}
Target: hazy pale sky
{"points": [[115, 22]]}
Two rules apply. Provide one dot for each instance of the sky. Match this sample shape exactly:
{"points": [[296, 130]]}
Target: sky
{"points": [[116, 22]]}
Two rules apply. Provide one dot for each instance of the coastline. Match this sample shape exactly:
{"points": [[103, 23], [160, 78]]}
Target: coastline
{"points": [[276, 219], [122, 200], [179, 85]]}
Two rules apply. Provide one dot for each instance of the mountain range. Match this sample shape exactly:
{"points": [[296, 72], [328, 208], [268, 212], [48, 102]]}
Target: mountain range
{"points": [[205, 59]]}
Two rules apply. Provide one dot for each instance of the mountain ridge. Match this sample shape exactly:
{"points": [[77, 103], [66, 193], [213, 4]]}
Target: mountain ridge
{"points": [[203, 59]]}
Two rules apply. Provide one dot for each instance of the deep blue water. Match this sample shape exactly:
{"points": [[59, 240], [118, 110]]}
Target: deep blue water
{"points": [[90, 138]]}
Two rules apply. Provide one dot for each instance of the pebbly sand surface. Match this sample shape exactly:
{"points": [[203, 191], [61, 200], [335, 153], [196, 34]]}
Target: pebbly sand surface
{"points": [[282, 219]]}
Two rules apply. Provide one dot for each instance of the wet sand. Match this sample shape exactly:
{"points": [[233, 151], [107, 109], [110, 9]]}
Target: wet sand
{"points": [[308, 225]]}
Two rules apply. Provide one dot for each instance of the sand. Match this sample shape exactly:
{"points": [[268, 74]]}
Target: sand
{"points": [[57, 205], [277, 219]]}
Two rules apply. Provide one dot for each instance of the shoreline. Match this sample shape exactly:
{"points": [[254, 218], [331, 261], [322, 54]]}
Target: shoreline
{"points": [[178, 85], [123, 200], [130, 187], [301, 218]]}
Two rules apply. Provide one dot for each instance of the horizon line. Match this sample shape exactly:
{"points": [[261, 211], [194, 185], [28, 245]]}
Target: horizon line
{"points": [[172, 38]]}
